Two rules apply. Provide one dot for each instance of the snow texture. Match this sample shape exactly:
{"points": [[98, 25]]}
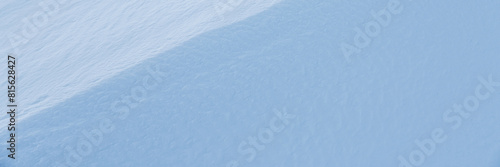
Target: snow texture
{"points": [[253, 83]]}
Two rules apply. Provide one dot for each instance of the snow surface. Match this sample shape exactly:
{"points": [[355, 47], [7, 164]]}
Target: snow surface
{"points": [[187, 83]]}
